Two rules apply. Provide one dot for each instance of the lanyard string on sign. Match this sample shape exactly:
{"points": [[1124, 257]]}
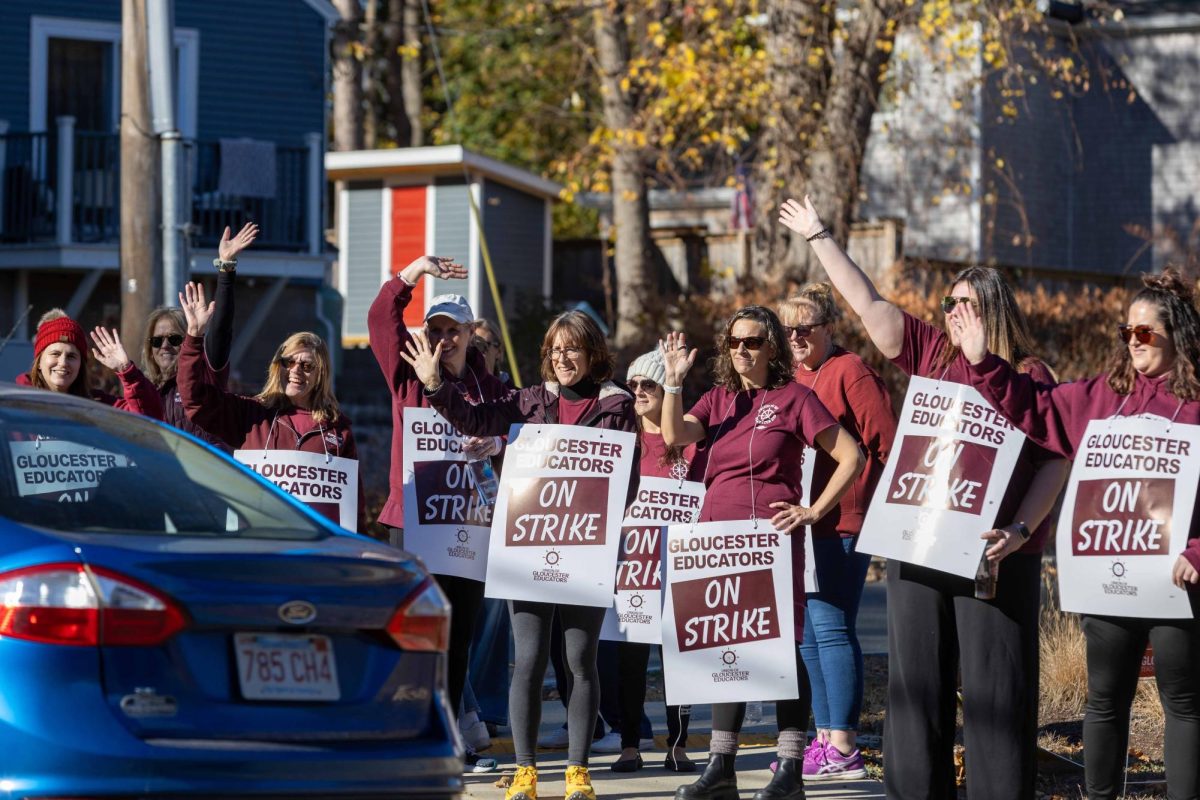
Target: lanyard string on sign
{"points": [[750, 453]]}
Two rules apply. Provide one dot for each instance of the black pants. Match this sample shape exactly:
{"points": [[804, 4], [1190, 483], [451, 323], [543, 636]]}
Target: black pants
{"points": [[936, 628], [1114, 656], [790, 715], [632, 661], [466, 600]]}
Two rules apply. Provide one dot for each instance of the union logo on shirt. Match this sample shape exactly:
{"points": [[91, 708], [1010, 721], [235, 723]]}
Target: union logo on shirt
{"points": [[766, 415], [333, 438]]}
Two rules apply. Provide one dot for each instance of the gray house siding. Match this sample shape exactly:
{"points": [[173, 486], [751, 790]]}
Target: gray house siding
{"points": [[515, 226], [451, 231], [363, 254], [261, 71]]}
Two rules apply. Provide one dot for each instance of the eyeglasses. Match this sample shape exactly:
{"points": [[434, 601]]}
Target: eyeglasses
{"points": [[570, 352], [289, 362], [644, 385], [484, 344], [802, 331], [751, 342], [949, 302], [1144, 333], [174, 340]]}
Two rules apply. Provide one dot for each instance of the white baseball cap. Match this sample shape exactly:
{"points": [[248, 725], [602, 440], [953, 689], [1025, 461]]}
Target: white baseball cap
{"points": [[453, 306]]}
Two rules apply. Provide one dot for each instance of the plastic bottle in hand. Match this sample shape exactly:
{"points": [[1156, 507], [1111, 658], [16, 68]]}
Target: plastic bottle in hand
{"points": [[484, 478], [985, 578]]}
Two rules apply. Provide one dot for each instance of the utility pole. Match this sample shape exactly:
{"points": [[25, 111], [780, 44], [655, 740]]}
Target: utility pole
{"points": [[141, 232], [161, 19]]}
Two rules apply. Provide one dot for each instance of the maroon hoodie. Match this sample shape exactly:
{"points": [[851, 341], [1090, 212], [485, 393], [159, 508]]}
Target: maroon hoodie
{"points": [[140, 395], [246, 424], [612, 410], [389, 335], [920, 355], [1057, 416]]}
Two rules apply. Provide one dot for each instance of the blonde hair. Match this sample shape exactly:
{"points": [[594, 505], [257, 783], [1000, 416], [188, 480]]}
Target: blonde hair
{"points": [[149, 364], [323, 404], [818, 296]]}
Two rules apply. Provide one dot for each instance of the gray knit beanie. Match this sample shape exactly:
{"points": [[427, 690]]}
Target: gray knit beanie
{"points": [[648, 365]]}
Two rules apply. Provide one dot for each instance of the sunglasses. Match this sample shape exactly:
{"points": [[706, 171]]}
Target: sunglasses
{"points": [[1143, 333], [174, 339], [291, 361], [802, 331], [948, 303], [644, 385], [751, 342]]}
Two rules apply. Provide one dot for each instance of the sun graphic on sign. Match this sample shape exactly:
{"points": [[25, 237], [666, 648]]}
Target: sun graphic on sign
{"points": [[1118, 569], [463, 536], [728, 657], [552, 557], [636, 601]]}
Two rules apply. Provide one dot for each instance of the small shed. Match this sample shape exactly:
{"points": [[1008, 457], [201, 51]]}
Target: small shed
{"points": [[395, 205]]}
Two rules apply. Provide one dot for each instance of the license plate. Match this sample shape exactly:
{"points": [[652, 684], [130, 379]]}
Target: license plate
{"points": [[274, 666]]}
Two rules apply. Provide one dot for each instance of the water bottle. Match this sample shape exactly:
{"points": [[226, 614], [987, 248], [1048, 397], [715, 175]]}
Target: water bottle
{"points": [[753, 713], [985, 578], [483, 475]]}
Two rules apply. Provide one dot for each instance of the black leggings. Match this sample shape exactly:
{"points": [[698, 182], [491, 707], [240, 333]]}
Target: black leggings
{"points": [[790, 715], [632, 662], [1114, 656], [466, 601], [531, 632]]}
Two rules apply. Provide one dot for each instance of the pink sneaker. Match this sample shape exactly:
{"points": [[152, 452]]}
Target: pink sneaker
{"points": [[830, 765]]}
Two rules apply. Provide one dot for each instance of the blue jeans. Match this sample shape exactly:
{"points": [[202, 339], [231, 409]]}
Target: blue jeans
{"points": [[830, 648]]}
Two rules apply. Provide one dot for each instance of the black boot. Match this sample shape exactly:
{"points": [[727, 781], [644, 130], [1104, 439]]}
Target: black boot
{"points": [[717, 782], [786, 784]]}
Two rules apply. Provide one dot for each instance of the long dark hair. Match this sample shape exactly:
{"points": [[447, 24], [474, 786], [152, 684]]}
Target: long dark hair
{"points": [[1007, 330], [779, 368], [1172, 296]]}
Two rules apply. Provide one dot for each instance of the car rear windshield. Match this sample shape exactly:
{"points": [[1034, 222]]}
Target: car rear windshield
{"points": [[68, 468]]}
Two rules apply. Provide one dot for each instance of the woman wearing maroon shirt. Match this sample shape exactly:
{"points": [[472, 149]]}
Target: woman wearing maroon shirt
{"points": [[448, 322], [757, 421], [576, 390], [934, 618], [1155, 372], [857, 398]]}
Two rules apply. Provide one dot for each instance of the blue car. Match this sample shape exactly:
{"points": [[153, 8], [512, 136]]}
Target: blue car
{"points": [[173, 626]]}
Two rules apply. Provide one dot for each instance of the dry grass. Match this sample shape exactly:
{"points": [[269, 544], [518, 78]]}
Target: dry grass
{"points": [[1063, 667]]}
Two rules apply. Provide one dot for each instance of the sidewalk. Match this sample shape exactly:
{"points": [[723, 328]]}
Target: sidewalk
{"points": [[653, 782]]}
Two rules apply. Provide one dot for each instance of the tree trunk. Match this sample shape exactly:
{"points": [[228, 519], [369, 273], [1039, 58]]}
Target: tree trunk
{"points": [[372, 70], [141, 212], [631, 211], [410, 89], [347, 78]]}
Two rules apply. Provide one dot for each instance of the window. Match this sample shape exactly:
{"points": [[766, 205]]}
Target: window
{"points": [[90, 50]]}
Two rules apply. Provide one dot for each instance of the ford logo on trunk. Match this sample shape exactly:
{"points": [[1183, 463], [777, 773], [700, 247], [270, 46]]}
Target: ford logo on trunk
{"points": [[297, 612]]}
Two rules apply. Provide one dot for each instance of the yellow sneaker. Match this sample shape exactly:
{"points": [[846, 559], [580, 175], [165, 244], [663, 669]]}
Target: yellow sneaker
{"points": [[579, 784], [524, 785]]}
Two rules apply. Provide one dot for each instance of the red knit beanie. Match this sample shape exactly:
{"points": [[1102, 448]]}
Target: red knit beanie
{"points": [[63, 329]]}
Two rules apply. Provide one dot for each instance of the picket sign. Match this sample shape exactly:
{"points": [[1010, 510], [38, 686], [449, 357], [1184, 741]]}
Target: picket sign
{"points": [[944, 481], [445, 522], [557, 524], [636, 612], [60, 470], [327, 484], [808, 463], [1125, 518], [728, 623]]}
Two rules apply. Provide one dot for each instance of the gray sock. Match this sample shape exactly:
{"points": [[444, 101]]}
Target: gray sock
{"points": [[791, 744], [723, 743]]}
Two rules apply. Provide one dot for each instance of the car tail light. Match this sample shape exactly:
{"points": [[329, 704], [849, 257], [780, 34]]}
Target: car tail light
{"points": [[64, 604], [422, 622]]}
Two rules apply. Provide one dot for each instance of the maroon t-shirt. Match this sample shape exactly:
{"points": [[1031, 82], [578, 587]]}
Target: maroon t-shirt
{"points": [[920, 355], [689, 466], [857, 398], [755, 441], [570, 412]]}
